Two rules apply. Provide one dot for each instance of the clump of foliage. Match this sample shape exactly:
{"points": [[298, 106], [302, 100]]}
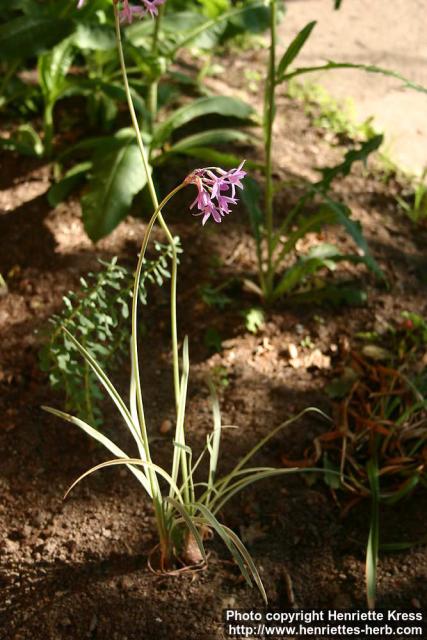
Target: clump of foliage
{"points": [[278, 274], [98, 314]]}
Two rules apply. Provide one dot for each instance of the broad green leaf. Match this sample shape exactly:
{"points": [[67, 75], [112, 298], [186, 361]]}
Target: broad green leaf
{"points": [[209, 27], [206, 138], [294, 48], [369, 68], [117, 177], [345, 293], [337, 4], [53, 67], [218, 105], [28, 35], [60, 191], [94, 38]]}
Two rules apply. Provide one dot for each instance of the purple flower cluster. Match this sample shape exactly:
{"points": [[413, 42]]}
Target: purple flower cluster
{"points": [[216, 191], [129, 11]]}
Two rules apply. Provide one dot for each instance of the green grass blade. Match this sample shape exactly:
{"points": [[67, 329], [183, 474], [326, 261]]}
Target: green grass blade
{"points": [[373, 540], [99, 437], [294, 48], [108, 386], [247, 558], [128, 461], [214, 443], [225, 493], [268, 437], [218, 527]]}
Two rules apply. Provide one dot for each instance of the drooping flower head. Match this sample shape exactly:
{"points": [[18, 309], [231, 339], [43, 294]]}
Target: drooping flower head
{"points": [[216, 191], [129, 11]]}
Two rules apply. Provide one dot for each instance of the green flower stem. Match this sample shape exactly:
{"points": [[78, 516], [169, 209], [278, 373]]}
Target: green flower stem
{"points": [[155, 202], [157, 497], [269, 112]]}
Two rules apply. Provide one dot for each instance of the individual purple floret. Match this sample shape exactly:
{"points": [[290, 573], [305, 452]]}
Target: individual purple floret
{"points": [[216, 190]]}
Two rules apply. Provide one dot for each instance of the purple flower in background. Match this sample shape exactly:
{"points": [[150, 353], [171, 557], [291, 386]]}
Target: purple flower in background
{"points": [[129, 11], [151, 6], [216, 190]]}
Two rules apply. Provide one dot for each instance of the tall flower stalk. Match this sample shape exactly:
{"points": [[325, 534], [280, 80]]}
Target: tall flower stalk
{"points": [[154, 199]]}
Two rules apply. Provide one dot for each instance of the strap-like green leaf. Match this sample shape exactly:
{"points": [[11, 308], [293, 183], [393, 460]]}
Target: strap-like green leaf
{"points": [[369, 68], [294, 48], [373, 540], [102, 439]]}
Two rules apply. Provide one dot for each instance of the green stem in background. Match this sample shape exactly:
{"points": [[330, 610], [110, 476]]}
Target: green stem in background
{"points": [[154, 199], [48, 128], [269, 113], [154, 85]]}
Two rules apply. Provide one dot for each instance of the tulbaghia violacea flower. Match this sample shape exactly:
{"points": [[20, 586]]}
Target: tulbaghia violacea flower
{"points": [[216, 190], [129, 11]]}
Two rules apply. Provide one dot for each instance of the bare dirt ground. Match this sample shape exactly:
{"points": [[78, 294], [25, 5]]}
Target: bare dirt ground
{"points": [[378, 32]]}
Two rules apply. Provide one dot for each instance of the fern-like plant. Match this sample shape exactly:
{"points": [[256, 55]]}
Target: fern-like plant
{"points": [[98, 314]]}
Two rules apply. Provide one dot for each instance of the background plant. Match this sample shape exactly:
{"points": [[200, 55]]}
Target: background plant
{"points": [[275, 240], [98, 314], [414, 202]]}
